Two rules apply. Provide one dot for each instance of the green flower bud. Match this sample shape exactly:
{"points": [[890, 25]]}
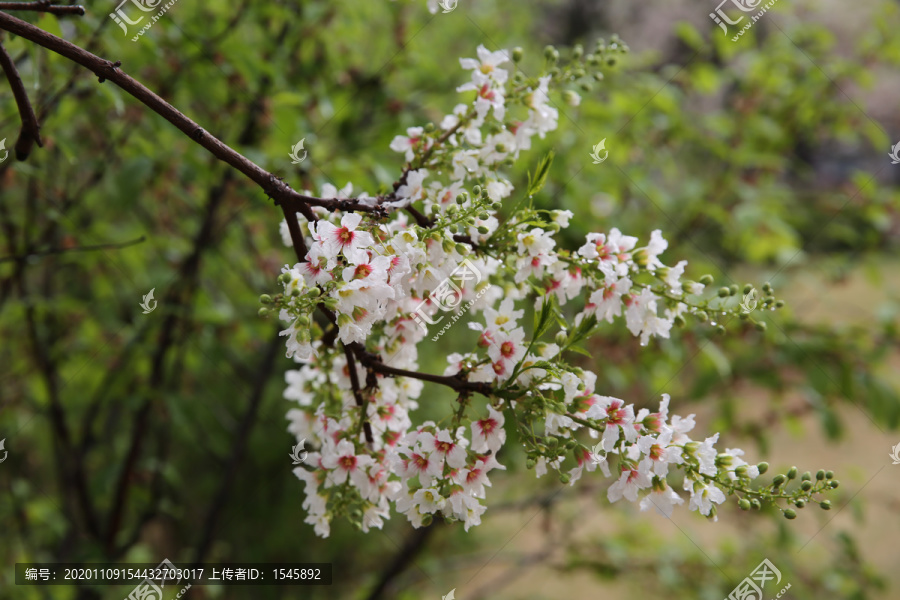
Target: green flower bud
{"points": [[564, 478], [755, 504], [561, 338], [517, 54], [427, 520], [484, 216], [790, 514], [462, 249], [732, 289], [476, 190], [778, 480], [792, 473], [744, 504], [483, 230], [429, 127], [331, 303], [761, 326], [724, 291], [707, 279], [820, 474], [763, 467], [702, 317], [799, 503], [748, 288], [679, 321], [829, 474], [265, 299], [501, 147], [578, 73], [806, 476], [460, 198], [720, 329], [834, 483], [548, 52], [314, 292], [741, 471], [303, 320], [530, 463], [598, 76], [577, 51], [554, 72], [611, 60], [779, 304], [825, 504], [263, 312], [806, 486]]}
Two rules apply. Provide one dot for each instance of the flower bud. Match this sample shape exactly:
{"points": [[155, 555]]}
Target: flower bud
{"points": [[800, 503], [755, 504], [314, 292], [597, 76], [825, 504], [484, 216], [720, 330], [763, 467], [426, 520], [577, 51], [834, 483], [806, 476], [265, 299], [529, 464], [778, 480], [748, 288], [707, 279], [548, 52], [744, 504], [561, 338], [732, 289], [741, 471], [483, 230], [263, 312], [792, 473], [611, 60], [476, 190], [460, 198], [331, 303], [564, 478], [790, 514], [806, 486], [820, 474], [679, 321], [829, 474], [429, 127], [761, 326], [517, 54], [724, 291], [586, 87], [462, 249]]}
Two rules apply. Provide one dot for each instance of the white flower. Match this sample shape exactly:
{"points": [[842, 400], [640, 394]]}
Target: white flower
{"points": [[488, 433], [664, 501], [703, 497], [407, 143], [629, 483], [345, 239], [484, 68]]}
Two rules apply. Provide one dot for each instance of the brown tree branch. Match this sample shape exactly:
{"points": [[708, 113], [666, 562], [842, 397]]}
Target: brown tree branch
{"points": [[105, 70], [31, 130], [357, 393], [45, 6], [52, 251]]}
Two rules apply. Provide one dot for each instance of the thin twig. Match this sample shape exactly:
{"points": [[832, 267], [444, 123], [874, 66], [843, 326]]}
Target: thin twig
{"points": [[52, 251], [31, 130], [45, 6]]}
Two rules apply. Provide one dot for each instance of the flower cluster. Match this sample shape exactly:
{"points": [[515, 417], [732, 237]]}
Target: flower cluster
{"points": [[351, 304]]}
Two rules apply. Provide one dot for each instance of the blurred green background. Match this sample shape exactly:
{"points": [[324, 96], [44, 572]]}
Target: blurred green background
{"points": [[761, 160]]}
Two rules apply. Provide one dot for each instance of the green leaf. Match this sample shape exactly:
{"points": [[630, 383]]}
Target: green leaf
{"points": [[536, 182]]}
